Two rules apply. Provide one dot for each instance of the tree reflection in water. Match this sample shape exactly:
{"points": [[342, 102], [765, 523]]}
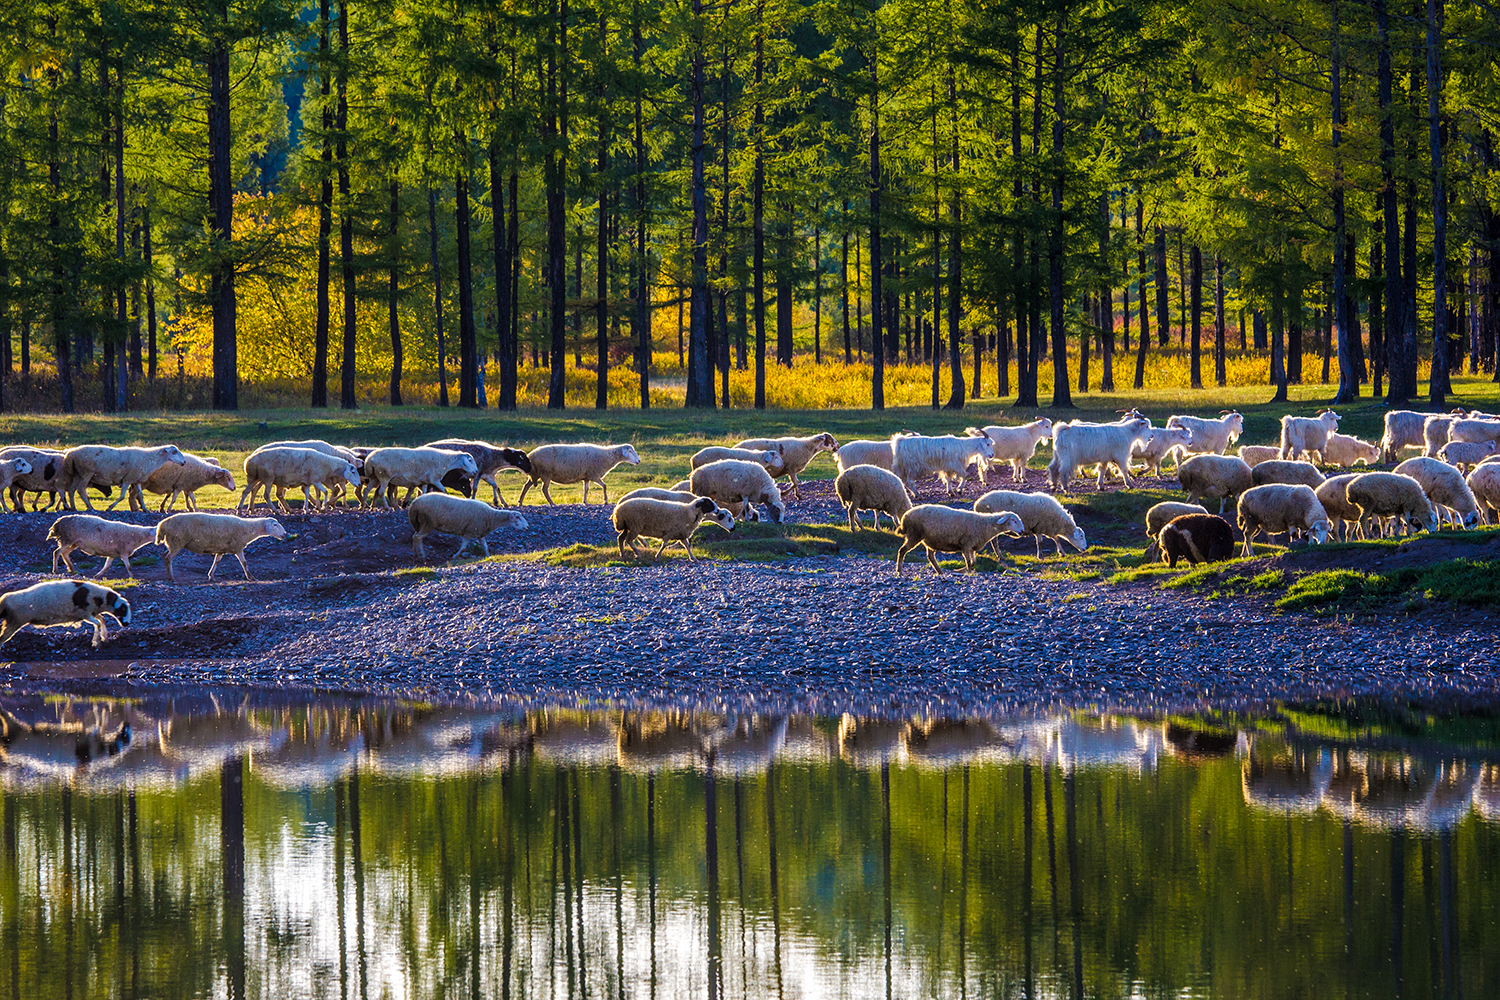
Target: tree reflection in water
{"points": [[366, 849]]}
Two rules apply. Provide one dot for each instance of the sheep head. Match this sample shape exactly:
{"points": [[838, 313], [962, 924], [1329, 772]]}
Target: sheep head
{"points": [[628, 454], [1078, 540], [721, 517], [825, 442], [511, 519], [1319, 531], [516, 459], [170, 453], [274, 529]]}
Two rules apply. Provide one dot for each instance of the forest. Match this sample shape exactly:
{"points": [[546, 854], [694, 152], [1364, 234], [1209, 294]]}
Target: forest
{"points": [[359, 202]]}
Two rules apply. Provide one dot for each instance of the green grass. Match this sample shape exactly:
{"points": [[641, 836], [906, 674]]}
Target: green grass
{"points": [[1465, 582], [416, 573]]}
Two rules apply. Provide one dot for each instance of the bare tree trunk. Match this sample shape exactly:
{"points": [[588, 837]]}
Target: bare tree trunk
{"points": [[601, 252], [759, 213], [347, 363], [1348, 376], [1220, 375], [1439, 387], [325, 214], [555, 132], [1196, 365], [500, 250], [437, 297], [955, 264], [1061, 394], [1278, 340], [150, 288], [1106, 301], [641, 322], [1393, 315], [1163, 291], [877, 345], [844, 293], [393, 293], [700, 386], [221, 220]]}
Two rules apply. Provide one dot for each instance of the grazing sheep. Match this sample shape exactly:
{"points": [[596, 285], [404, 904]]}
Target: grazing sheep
{"points": [[1384, 495], [1041, 516], [1445, 487], [1015, 445], [490, 459], [576, 463], [1484, 483], [470, 520], [1161, 442], [667, 520], [187, 479], [1210, 436], [1333, 494], [868, 487], [424, 468], [768, 457], [1307, 435], [216, 535], [101, 465], [96, 536], [732, 481], [1346, 452], [1475, 429], [741, 509], [10, 468], [63, 602], [1281, 507], [948, 457], [45, 475], [949, 529], [1255, 454], [1078, 444], [1158, 517], [291, 468], [797, 453], [1403, 429], [877, 453], [1280, 471], [1214, 477], [1465, 454], [1196, 538]]}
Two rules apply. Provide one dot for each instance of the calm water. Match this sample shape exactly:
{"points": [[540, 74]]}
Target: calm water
{"points": [[367, 850]]}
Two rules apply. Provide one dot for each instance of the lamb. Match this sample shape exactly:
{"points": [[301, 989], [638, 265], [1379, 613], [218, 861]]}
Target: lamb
{"points": [[1077, 444], [1475, 429], [1254, 454], [1214, 476], [216, 535], [576, 463], [63, 602], [96, 536], [102, 465], [1465, 454], [1391, 494], [1333, 494], [45, 475], [1211, 437], [797, 453], [10, 468], [949, 529], [1281, 507], [1158, 517], [1484, 483], [1161, 442], [187, 479], [1346, 451], [917, 456], [1196, 538], [877, 453], [1444, 486], [768, 457], [1403, 429], [490, 459], [1015, 445], [732, 481], [868, 487], [290, 468], [470, 520], [1307, 435], [1279, 471], [389, 468], [667, 520], [1041, 515]]}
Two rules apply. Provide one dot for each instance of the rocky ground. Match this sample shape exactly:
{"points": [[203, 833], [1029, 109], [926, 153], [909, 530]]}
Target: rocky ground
{"points": [[825, 634]]}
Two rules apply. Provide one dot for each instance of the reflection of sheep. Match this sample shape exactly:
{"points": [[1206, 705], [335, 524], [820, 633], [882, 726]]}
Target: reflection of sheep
{"points": [[10, 468], [101, 465], [1196, 538], [1347, 452], [1214, 477], [1015, 445], [1466, 454], [768, 457], [1403, 429], [949, 529], [1292, 473], [575, 463], [796, 452], [732, 481], [63, 602], [1210, 436], [96, 536], [667, 520], [1333, 494], [1444, 486], [1158, 517], [1307, 435], [1041, 517], [188, 478], [470, 520], [1254, 454], [490, 459], [1389, 494], [867, 487], [1281, 507], [216, 535]]}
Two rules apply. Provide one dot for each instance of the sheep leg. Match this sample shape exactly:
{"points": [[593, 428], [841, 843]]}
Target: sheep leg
{"points": [[108, 561], [101, 630], [417, 549], [602, 487], [8, 628], [585, 490], [932, 560], [171, 573], [128, 571], [660, 549], [525, 488], [688, 549], [906, 546], [82, 487], [65, 556], [547, 491], [124, 495], [484, 546], [620, 544], [214, 565], [1038, 546], [499, 501], [244, 566], [796, 487], [849, 511]]}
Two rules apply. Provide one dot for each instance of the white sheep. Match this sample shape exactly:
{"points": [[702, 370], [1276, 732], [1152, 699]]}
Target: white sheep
{"points": [[768, 457], [101, 465], [1211, 436], [796, 452], [1282, 471], [576, 463], [1435, 430], [1333, 494], [682, 495], [1381, 495], [216, 535], [1255, 454], [1347, 451], [1484, 483], [1161, 442], [10, 468], [46, 475], [63, 602], [1445, 487], [96, 536], [1015, 445], [187, 479], [1475, 429], [948, 457], [1307, 435], [1403, 429], [420, 468], [1281, 507], [349, 455], [491, 459], [470, 520], [1075, 445], [291, 468], [1465, 454], [868, 487], [667, 520], [877, 453], [1159, 516], [1214, 477], [731, 482], [1041, 517], [950, 529]]}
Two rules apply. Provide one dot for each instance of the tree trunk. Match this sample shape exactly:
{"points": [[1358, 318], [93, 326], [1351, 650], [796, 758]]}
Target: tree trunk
{"points": [[1294, 335], [1061, 394], [844, 294], [1163, 290], [1377, 311], [1439, 387], [955, 264], [500, 250], [1278, 341], [150, 289], [758, 221], [877, 304], [1348, 376], [221, 220], [1125, 278], [725, 243], [700, 386], [347, 363], [513, 251], [1106, 301], [1140, 250], [393, 292], [118, 135], [1409, 313], [784, 289], [325, 214], [468, 348], [641, 323], [555, 134], [818, 290], [1393, 315], [1025, 380], [437, 298], [601, 252], [1195, 265], [1351, 309], [1220, 375]]}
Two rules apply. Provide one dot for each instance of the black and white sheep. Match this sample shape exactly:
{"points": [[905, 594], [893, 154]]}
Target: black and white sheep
{"points": [[731, 481], [1075, 445], [491, 460], [216, 535], [1158, 517], [96, 536], [948, 456], [102, 465], [1214, 477], [10, 469], [1015, 445], [1197, 538], [1307, 435], [869, 487], [950, 529], [667, 520], [797, 453], [46, 475], [1042, 516], [63, 602], [575, 463], [1382, 495], [470, 520], [1281, 507]]}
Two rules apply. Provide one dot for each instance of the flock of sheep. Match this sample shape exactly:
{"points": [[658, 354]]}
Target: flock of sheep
{"points": [[1276, 489]]}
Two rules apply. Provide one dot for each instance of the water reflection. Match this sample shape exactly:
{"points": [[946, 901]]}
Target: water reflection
{"points": [[256, 847]]}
